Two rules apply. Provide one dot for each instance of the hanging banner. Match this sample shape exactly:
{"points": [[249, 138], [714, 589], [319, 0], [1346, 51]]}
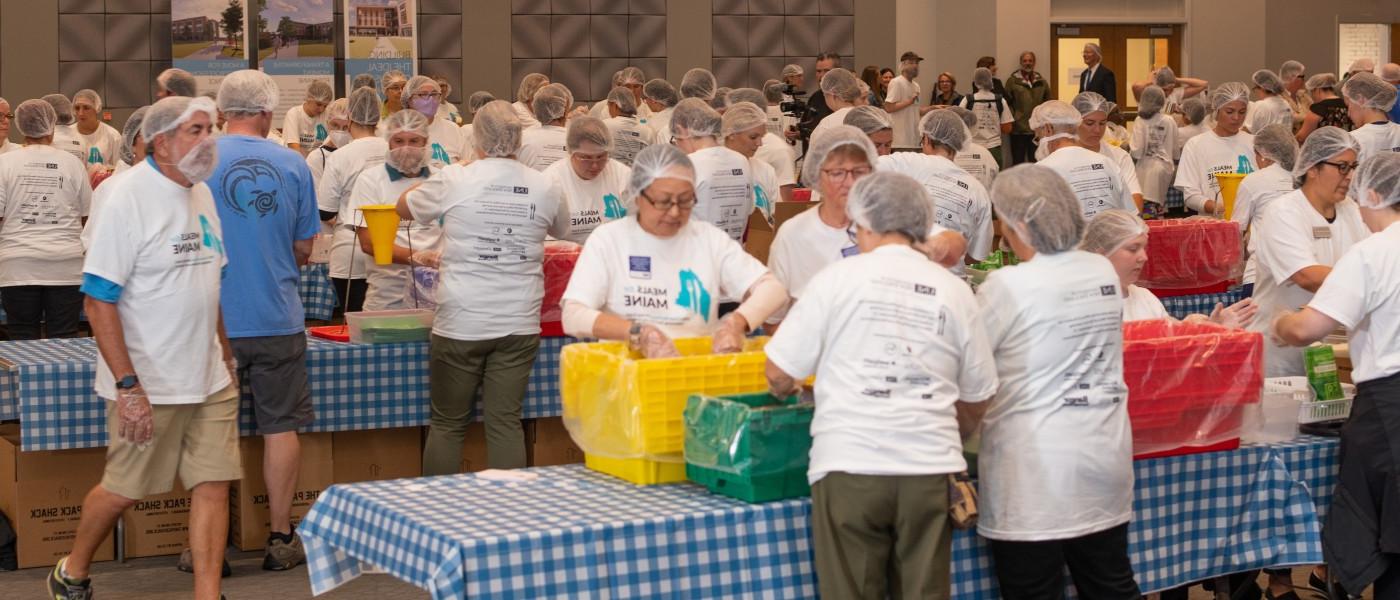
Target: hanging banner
{"points": [[295, 47], [208, 38], [380, 36]]}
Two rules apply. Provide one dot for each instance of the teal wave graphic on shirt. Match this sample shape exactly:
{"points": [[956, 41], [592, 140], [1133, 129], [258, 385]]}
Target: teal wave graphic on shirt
{"points": [[613, 208], [693, 295], [440, 154], [211, 240], [1245, 166]]}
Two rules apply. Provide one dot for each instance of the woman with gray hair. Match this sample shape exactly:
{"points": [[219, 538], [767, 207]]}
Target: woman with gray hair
{"points": [[591, 180]]}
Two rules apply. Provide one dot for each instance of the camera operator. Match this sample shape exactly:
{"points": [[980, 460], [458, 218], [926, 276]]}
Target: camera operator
{"points": [[817, 108]]}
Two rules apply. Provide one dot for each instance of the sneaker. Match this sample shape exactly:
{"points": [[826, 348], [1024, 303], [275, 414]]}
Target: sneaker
{"points": [[62, 588], [281, 555], [186, 564]]}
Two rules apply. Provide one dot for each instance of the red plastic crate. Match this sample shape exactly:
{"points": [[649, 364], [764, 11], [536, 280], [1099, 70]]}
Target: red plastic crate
{"points": [[1215, 288], [1188, 385], [1190, 255], [559, 261]]}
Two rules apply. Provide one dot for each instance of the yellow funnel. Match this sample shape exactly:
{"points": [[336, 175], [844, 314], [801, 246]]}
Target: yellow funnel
{"points": [[1229, 186], [383, 223]]}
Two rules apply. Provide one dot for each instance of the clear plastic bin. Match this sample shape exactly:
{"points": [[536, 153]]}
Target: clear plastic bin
{"points": [[390, 326]]}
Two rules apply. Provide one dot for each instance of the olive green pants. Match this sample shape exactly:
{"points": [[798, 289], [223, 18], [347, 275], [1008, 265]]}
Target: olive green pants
{"points": [[501, 369]]}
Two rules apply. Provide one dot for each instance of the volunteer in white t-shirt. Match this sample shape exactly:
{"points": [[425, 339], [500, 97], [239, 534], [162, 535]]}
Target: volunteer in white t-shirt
{"points": [[101, 142], [304, 125], [632, 78], [1193, 112], [592, 182], [1302, 235], [875, 124], [1093, 177], [65, 134], [659, 274], [723, 180], [525, 98], [1270, 108], [960, 202], [994, 115], [365, 151], [886, 437], [133, 152], [474, 103], [1222, 149], [1153, 142], [44, 198], [337, 135], [743, 127], [444, 137], [902, 103], [392, 83], [1275, 151], [1056, 459], [1092, 133], [543, 144], [661, 98], [1363, 294], [974, 158], [630, 136], [841, 89], [416, 245], [774, 151], [494, 214], [1368, 99]]}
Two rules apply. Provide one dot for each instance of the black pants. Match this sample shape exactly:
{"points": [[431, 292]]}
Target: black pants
{"points": [[351, 295], [27, 307], [1022, 148], [1098, 564]]}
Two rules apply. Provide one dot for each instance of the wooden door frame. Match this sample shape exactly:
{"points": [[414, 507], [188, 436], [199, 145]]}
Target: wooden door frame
{"points": [[1113, 38]]}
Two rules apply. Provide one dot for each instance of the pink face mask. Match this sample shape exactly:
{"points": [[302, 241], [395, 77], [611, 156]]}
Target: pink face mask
{"points": [[427, 106]]}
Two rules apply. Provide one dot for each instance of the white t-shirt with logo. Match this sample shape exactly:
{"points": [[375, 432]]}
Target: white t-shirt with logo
{"points": [[1204, 156], [67, 139], [723, 190], [298, 128], [444, 142], [161, 243], [103, 146], [594, 201], [44, 195], [495, 214], [766, 190], [895, 342], [805, 245], [1093, 177], [543, 146], [1256, 191], [1142, 305], [1376, 137], [960, 202], [629, 137], [674, 283], [978, 162], [1363, 293], [343, 168], [781, 156], [905, 120], [388, 284], [989, 122]]}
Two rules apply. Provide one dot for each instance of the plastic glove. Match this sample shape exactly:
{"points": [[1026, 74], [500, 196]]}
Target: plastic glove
{"points": [[426, 258], [1238, 316], [728, 338], [651, 342], [135, 421], [1273, 329]]}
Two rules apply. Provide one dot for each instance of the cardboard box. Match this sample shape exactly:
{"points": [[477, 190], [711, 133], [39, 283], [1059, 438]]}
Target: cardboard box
{"points": [[42, 494], [760, 235], [248, 516], [158, 525], [377, 454], [550, 444]]}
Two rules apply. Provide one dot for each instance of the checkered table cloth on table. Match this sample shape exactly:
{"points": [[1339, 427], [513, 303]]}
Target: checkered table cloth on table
{"points": [[1175, 199], [353, 387], [317, 293], [578, 534], [1180, 306]]}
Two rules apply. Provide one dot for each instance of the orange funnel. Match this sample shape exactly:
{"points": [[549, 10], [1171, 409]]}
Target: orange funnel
{"points": [[383, 223], [1229, 186]]}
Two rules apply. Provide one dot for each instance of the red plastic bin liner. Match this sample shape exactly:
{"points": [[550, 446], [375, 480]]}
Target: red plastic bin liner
{"points": [[1189, 385], [1214, 288], [559, 260], [1190, 253]]}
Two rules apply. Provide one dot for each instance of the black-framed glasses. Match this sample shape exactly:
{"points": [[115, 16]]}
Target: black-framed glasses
{"points": [[666, 205], [842, 174], [1342, 167]]}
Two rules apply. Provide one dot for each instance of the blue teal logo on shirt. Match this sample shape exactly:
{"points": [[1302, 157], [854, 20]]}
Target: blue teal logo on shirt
{"points": [[760, 200], [94, 156], [612, 207], [440, 154], [321, 132], [1245, 166], [211, 240], [249, 186], [693, 296]]}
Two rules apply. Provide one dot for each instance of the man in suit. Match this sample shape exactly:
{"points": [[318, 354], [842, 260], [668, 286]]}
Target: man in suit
{"points": [[1097, 78]]}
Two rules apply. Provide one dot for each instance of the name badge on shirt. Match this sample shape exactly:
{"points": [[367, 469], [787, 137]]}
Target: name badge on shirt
{"points": [[639, 267], [850, 251], [1322, 233]]}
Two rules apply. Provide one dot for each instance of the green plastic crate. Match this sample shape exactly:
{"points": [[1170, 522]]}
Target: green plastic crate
{"points": [[753, 447]]}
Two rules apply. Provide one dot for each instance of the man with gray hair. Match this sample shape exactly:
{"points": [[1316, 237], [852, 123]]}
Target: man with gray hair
{"points": [[1096, 77], [304, 126]]}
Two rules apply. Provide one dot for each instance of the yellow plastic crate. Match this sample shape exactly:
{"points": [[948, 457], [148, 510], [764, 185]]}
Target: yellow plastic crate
{"points": [[637, 470], [622, 409]]}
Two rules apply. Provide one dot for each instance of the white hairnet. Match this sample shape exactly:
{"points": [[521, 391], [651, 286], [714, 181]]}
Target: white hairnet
{"points": [[968, 117], [830, 139], [941, 127], [742, 117], [170, 112], [658, 161], [1321, 81], [661, 91], [496, 130], [1390, 72], [841, 84], [698, 83], [720, 99], [773, 91], [1276, 143], [530, 84], [391, 77], [89, 96], [1321, 145], [417, 83], [624, 100], [1369, 90], [750, 95], [1290, 70], [1057, 114], [790, 70], [631, 75], [320, 91], [694, 118], [1268, 81], [406, 120], [1040, 207], [889, 202], [247, 92], [364, 107], [478, 100], [1195, 110], [1152, 101], [1092, 47], [178, 82], [130, 130], [362, 80], [1362, 65], [1110, 230], [1226, 93], [587, 129], [62, 107], [1376, 183], [982, 79], [1164, 77], [868, 119], [35, 118], [338, 109], [1091, 102], [552, 102]]}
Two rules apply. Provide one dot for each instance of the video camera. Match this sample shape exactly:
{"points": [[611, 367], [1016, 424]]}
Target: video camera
{"points": [[797, 107]]}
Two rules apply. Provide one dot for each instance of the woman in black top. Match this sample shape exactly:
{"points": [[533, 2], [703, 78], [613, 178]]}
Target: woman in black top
{"points": [[1327, 110], [945, 92]]}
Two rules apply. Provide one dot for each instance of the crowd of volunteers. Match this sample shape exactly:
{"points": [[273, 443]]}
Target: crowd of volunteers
{"points": [[181, 238]]}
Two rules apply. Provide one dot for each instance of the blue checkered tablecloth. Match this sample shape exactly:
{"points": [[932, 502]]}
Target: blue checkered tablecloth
{"points": [[317, 294], [1175, 199], [574, 533], [353, 387], [1181, 306]]}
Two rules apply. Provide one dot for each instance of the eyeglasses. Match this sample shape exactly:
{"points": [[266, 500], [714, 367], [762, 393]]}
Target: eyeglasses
{"points": [[842, 174], [7, 116], [1342, 167], [591, 159], [666, 205], [433, 95]]}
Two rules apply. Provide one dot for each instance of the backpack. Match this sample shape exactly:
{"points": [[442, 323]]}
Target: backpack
{"points": [[968, 101]]}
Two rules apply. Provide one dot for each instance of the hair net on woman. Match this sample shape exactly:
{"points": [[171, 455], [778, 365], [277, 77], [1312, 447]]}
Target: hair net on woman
{"points": [[790, 70], [1276, 143], [698, 83], [720, 99], [889, 202], [338, 109], [1268, 81], [1322, 145], [130, 130], [694, 118], [35, 118], [1290, 70], [417, 83], [171, 112], [868, 119], [391, 77], [982, 79], [1365, 89], [1362, 65], [478, 100], [1110, 230], [624, 100], [773, 91], [496, 130], [587, 129], [1195, 110], [1164, 77], [178, 82], [1091, 102], [552, 102], [632, 75], [1376, 183], [62, 106], [661, 91], [364, 107], [247, 92], [406, 120], [529, 85], [658, 161], [1321, 81], [1063, 118], [1036, 203], [830, 139], [90, 96], [941, 127], [1228, 92], [320, 91], [841, 84], [1152, 101], [968, 117], [362, 80], [750, 95], [742, 117]]}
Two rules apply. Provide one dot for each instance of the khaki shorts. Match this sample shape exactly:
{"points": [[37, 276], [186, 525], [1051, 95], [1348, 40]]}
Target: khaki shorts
{"points": [[199, 442]]}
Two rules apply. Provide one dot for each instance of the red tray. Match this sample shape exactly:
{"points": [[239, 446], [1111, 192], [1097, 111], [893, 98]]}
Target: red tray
{"points": [[334, 333], [1190, 255]]}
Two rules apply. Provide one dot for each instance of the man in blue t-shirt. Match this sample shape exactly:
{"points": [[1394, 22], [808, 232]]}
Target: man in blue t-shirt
{"points": [[267, 201]]}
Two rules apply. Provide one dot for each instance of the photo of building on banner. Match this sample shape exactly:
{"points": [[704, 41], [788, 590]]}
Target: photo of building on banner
{"points": [[295, 40], [208, 38], [380, 36]]}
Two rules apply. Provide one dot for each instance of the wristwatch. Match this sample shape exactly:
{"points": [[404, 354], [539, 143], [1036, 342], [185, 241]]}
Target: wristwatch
{"points": [[128, 382]]}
